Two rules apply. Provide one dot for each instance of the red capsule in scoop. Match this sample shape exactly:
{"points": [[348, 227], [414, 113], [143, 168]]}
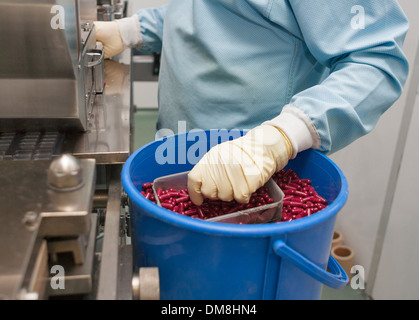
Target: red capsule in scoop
{"points": [[182, 199]]}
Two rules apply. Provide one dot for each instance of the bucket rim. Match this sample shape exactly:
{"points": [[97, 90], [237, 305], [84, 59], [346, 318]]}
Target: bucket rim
{"points": [[223, 229]]}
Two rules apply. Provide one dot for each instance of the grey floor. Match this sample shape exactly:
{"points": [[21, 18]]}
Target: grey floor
{"points": [[145, 122]]}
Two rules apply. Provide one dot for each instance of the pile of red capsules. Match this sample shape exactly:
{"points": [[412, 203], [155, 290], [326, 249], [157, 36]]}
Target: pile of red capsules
{"points": [[179, 201], [301, 199]]}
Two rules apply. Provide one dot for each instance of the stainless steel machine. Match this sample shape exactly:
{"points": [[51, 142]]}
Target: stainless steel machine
{"points": [[47, 65], [109, 10], [65, 132]]}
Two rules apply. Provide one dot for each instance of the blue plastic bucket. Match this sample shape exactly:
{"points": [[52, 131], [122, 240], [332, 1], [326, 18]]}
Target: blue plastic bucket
{"points": [[200, 260]]}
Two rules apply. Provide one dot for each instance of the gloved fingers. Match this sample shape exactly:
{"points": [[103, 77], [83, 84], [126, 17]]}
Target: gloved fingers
{"points": [[194, 186], [209, 188], [236, 161], [111, 50], [216, 184], [241, 191], [210, 169], [225, 189]]}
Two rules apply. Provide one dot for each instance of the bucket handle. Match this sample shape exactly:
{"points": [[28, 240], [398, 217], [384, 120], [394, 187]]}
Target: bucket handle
{"points": [[336, 278]]}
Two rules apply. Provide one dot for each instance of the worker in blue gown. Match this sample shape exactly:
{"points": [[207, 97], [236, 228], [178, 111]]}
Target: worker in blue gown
{"points": [[297, 74]]}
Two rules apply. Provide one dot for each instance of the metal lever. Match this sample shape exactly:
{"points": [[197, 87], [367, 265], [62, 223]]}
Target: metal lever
{"points": [[95, 53]]}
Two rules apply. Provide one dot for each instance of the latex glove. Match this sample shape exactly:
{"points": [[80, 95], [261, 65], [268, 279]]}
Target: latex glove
{"points": [[118, 35], [107, 32], [235, 169], [116, 77]]}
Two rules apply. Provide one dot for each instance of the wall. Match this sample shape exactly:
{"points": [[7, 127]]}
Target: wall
{"points": [[396, 276], [370, 224]]}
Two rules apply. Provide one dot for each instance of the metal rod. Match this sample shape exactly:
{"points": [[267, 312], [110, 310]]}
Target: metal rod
{"points": [[109, 268]]}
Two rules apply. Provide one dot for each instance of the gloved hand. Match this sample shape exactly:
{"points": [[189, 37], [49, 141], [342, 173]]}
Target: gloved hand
{"points": [[235, 169], [107, 32], [118, 35], [116, 78]]}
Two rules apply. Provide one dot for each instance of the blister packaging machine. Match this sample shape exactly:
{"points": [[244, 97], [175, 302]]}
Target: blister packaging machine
{"points": [[65, 132]]}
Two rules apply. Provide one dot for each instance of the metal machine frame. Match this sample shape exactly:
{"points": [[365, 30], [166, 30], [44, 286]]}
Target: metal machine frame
{"points": [[64, 137]]}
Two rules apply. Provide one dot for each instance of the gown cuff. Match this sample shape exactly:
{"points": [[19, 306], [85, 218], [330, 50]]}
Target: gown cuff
{"points": [[299, 128], [130, 29]]}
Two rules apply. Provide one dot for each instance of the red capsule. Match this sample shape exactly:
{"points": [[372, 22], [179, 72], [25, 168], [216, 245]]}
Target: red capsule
{"points": [[297, 199], [308, 205], [201, 213], [181, 207], [147, 185], [321, 199], [299, 216], [289, 187], [261, 199], [164, 197], [174, 194], [301, 194], [293, 203], [296, 210], [296, 186], [190, 212], [261, 191], [168, 206], [182, 199]]}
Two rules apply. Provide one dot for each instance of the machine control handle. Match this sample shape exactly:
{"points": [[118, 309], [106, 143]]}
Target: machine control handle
{"points": [[95, 53]]}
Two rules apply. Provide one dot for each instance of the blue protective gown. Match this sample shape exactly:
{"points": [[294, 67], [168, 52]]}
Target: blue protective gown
{"points": [[234, 64]]}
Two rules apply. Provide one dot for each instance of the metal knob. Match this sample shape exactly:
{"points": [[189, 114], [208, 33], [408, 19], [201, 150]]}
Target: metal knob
{"points": [[65, 173], [146, 284]]}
